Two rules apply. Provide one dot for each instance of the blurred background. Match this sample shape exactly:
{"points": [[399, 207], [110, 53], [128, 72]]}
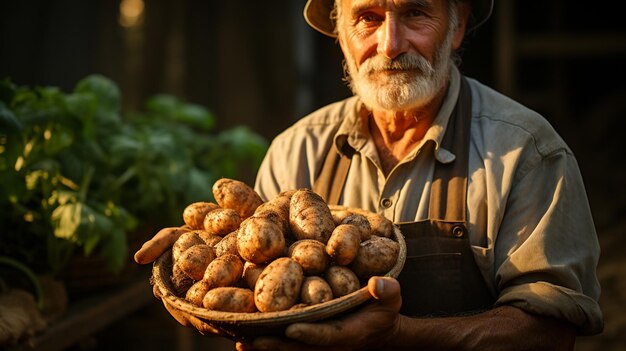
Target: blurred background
{"points": [[258, 64]]}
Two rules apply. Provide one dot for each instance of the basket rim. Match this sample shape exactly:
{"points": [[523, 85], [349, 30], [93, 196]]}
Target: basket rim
{"points": [[303, 314]]}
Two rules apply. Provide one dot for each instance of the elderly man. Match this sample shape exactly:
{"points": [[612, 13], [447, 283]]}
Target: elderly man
{"points": [[502, 249]]}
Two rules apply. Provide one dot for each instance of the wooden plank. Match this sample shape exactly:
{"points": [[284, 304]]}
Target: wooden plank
{"points": [[90, 315]]}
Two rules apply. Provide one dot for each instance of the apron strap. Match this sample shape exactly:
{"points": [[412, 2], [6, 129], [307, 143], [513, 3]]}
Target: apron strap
{"points": [[449, 184], [331, 179]]}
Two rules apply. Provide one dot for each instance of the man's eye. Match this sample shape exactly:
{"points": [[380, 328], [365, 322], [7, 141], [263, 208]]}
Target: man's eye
{"points": [[368, 18], [415, 13]]}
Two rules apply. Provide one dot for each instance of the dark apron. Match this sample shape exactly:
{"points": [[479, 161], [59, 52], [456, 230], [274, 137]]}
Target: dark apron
{"points": [[440, 276]]}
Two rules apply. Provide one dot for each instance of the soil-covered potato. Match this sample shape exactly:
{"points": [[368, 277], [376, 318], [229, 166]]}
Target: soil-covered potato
{"points": [[225, 270], [229, 299], [180, 280], [311, 255], [209, 239], [221, 221], [279, 206], [340, 215], [196, 292], [260, 240], [376, 256], [273, 215], [361, 222], [278, 286], [310, 217], [251, 273], [228, 244], [381, 226], [343, 244], [195, 260], [185, 241], [315, 290], [194, 213], [236, 195], [342, 280]]}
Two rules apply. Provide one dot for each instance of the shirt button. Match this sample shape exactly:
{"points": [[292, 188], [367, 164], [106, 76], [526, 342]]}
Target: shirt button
{"points": [[458, 231], [386, 203]]}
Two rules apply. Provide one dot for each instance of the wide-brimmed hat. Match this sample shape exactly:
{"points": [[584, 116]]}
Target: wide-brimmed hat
{"points": [[317, 15]]}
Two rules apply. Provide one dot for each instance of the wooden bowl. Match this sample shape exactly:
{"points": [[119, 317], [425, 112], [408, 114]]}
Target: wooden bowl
{"points": [[246, 326]]}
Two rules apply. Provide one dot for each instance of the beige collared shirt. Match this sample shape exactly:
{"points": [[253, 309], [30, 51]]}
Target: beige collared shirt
{"points": [[530, 225]]}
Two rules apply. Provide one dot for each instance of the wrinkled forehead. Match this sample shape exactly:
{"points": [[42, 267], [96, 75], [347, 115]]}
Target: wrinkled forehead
{"points": [[387, 3], [353, 7]]}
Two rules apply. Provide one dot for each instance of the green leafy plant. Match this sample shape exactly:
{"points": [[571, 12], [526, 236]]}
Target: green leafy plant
{"points": [[77, 175]]}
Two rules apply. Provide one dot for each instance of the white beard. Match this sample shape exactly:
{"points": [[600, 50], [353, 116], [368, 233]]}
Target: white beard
{"points": [[402, 90]]}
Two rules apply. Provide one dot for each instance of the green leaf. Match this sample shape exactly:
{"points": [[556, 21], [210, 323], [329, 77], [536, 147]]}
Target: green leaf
{"points": [[57, 138], [105, 90], [7, 90], [66, 220], [169, 108], [195, 116], [84, 106], [8, 122], [164, 106]]}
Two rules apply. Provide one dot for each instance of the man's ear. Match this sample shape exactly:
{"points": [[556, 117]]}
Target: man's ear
{"points": [[463, 11]]}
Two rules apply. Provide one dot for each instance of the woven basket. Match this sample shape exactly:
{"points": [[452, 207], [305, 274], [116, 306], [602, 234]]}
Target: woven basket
{"points": [[244, 326]]}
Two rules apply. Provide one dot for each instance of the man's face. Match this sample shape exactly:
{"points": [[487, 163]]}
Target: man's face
{"points": [[398, 52]]}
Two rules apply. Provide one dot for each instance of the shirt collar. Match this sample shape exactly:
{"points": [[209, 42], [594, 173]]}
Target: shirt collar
{"points": [[353, 133]]}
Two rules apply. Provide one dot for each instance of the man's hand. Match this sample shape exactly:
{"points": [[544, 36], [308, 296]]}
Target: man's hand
{"points": [[159, 243], [371, 325]]}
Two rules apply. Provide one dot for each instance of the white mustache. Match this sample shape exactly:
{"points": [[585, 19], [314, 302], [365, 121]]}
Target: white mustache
{"points": [[406, 61]]}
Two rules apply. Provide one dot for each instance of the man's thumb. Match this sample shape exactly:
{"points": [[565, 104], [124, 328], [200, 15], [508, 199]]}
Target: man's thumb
{"points": [[384, 289]]}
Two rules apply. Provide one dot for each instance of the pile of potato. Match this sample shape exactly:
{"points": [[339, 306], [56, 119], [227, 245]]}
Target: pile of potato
{"points": [[246, 255]]}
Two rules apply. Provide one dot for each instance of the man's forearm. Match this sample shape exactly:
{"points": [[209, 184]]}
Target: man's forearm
{"points": [[502, 328]]}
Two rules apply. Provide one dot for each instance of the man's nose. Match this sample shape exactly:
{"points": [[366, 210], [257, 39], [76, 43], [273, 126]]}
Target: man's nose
{"points": [[391, 40]]}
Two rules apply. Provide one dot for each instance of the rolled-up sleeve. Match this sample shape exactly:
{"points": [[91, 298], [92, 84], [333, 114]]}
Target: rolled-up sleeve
{"points": [[547, 251]]}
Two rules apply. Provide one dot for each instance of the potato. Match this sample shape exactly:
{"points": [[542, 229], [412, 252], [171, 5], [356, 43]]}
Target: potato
{"points": [[376, 256], [310, 217], [209, 239], [251, 273], [311, 255], [340, 215], [343, 244], [196, 292], [274, 215], [361, 222], [228, 244], [185, 241], [180, 280], [287, 193], [315, 290], [380, 225], [160, 242], [194, 213], [276, 212], [278, 286], [225, 270], [195, 260], [230, 299], [221, 221], [342, 280], [260, 240], [236, 195]]}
